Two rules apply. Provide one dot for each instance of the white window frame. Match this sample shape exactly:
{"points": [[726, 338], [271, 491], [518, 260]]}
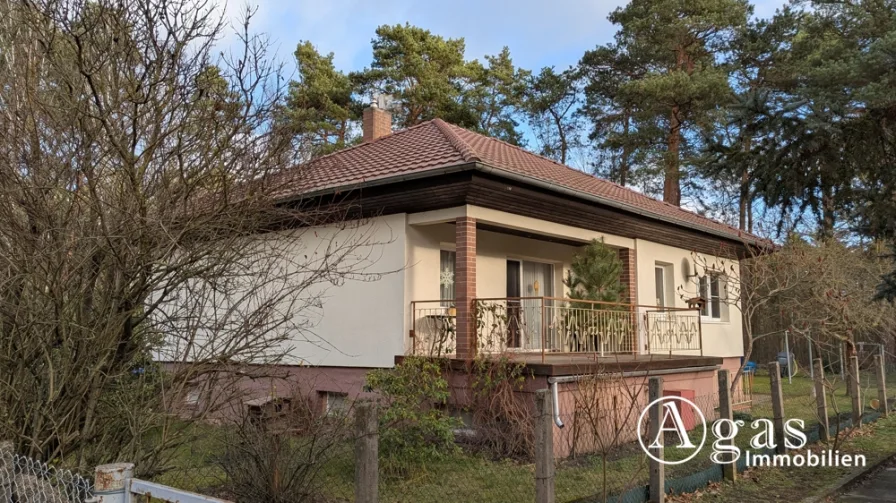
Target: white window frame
{"points": [[704, 285], [668, 297]]}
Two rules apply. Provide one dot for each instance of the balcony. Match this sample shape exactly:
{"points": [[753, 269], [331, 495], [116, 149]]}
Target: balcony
{"points": [[546, 326]]}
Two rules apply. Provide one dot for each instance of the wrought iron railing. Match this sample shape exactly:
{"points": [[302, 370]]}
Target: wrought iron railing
{"points": [[433, 328], [557, 325]]}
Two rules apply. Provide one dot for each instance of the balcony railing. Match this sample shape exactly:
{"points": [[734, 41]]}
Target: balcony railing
{"points": [[556, 325]]}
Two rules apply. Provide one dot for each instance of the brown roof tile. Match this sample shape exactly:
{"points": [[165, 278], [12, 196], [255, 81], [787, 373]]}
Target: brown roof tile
{"points": [[436, 144]]}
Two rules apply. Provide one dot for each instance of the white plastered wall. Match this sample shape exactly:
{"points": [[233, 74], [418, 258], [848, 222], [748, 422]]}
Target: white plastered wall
{"points": [[359, 322], [723, 337]]}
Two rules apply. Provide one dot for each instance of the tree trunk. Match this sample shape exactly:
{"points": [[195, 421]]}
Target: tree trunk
{"points": [[561, 135], [826, 232], [672, 181], [626, 148], [745, 223]]}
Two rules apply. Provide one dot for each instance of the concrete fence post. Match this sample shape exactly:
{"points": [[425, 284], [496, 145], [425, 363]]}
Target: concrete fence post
{"points": [[821, 401], [366, 453], [881, 385], [657, 469], [109, 482], [774, 372], [855, 391], [729, 469], [544, 447]]}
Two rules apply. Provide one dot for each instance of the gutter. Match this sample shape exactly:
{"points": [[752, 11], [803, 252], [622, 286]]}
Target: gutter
{"points": [[555, 394]]}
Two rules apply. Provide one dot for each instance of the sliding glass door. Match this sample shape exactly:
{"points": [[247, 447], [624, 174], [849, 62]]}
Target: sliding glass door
{"points": [[527, 279]]}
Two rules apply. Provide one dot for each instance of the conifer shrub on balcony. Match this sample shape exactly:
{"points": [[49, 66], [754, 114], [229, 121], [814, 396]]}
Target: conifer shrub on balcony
{"points": [[594, 284]]}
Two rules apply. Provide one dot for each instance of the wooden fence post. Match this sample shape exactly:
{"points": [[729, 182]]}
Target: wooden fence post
{"points": [[881, 385], [657, 469], [366, 453], [109, 482], [544, 447], [729, 469], [774, 372], [822, 401], [856, 391]]}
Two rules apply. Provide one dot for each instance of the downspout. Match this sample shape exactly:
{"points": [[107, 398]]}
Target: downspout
{"points": [[555, 395], [555, 398]]}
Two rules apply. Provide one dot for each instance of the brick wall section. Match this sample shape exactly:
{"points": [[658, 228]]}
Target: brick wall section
{"points": [[629, 275], [375, 123], [465, 285]]}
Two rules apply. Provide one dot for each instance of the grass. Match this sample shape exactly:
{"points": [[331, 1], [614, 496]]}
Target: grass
{"points": [[471, 477], [876, 441]]}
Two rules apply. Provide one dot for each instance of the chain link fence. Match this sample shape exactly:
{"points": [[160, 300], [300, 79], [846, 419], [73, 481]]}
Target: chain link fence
{"points": [[27, 480]]}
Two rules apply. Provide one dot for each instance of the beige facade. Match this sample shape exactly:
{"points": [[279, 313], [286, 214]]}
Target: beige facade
{"points": [[363, 323], [429, 233]]}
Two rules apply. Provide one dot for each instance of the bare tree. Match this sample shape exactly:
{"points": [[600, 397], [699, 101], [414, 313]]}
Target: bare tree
{"points": [[140, 221], [824, 292], [751, 285]]}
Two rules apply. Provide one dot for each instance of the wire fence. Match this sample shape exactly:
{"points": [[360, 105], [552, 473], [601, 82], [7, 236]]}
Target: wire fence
{"points": [[27, 480]]}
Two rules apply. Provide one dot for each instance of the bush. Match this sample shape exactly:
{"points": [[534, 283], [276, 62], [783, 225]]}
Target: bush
{"points": [[503, 422], [414, 427], [280, 459]]}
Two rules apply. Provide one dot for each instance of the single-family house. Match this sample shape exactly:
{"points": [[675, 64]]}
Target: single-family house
{"points": [[474, 237]]}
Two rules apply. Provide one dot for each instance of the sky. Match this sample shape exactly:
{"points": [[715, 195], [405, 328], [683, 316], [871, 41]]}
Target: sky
{"points": [[539, 33]]}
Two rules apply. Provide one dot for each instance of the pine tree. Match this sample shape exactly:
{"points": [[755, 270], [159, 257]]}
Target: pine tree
{"points": [[595, 275]]}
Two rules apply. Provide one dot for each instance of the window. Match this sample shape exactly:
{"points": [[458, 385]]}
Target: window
{"points": [[712, 289], [446, 277], [660, 273], [337, 403]]}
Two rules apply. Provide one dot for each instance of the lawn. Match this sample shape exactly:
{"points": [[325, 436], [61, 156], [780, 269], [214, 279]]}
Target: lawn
{"points": [[471, 477], [876, 441]]}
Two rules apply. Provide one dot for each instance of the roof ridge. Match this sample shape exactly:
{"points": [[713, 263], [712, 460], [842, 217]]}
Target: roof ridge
{"points": [[465, 150]]}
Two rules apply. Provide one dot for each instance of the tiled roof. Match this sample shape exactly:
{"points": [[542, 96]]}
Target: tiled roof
{"points": [[436, 144]]}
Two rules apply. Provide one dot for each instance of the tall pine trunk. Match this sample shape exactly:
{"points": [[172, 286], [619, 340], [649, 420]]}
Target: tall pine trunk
{"points": [[672, 180], [745, 221]]}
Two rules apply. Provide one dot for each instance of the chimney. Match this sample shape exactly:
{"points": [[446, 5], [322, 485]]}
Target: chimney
{"points": [[375, 123]]}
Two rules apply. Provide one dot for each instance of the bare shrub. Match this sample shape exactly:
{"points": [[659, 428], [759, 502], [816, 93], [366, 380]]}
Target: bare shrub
{"points": [[281, 455], [503, 421], [142, 219]]}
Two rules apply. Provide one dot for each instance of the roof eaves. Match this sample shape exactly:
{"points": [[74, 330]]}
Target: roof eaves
{"points": [[603, 200], [385, 180]]}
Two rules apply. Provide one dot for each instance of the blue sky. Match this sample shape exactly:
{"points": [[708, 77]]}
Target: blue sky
{"points": [[539, 33]]}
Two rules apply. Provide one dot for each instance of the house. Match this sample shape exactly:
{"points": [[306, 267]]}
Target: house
{"points": [[473, 237]]}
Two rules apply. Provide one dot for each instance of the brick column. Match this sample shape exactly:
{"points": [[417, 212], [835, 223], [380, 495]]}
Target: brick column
{"points": [[465, 285], [629, 274]]}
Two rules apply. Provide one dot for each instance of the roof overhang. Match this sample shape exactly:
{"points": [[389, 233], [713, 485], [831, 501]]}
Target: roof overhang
{"points": [[503, 173]]}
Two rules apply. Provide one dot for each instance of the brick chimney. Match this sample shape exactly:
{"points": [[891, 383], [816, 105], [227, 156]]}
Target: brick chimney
{"points": [[375, 123]]}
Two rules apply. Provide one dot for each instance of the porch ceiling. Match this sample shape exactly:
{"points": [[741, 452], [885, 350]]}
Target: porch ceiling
{"points": [[529, 234]]}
